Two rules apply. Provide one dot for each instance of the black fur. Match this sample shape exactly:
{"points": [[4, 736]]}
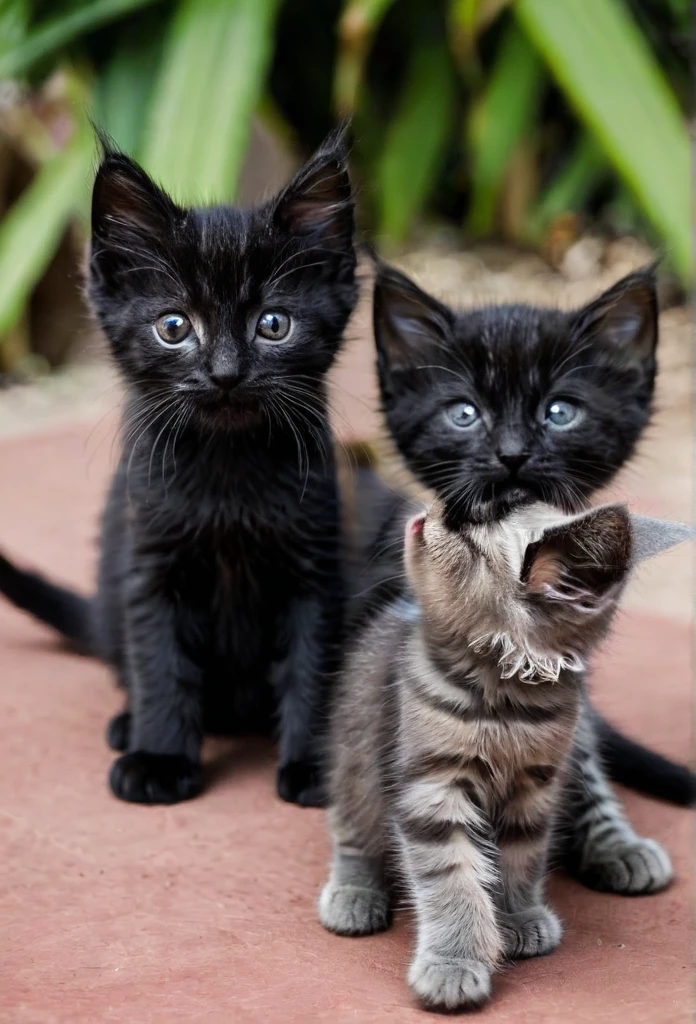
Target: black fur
{"points": [[220, 591], [510, 362], [641, 769], [57, 606]]}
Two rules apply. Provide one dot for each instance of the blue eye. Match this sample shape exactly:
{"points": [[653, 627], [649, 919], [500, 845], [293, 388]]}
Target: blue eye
{"points": [[173, 329], [561, 414], [273, 325], [463, 415]]}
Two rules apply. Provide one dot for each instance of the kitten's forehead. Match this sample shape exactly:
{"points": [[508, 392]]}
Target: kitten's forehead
{"points": [[501, 330], [220, 228], [226, 257]]}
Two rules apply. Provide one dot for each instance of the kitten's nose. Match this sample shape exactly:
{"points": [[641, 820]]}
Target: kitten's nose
{"points": [[226, 379], [513, 460]]}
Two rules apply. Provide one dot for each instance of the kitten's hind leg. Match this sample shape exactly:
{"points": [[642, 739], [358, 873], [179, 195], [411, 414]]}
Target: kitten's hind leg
{"points": [[301, 682], [600, 847], [355, 900]]}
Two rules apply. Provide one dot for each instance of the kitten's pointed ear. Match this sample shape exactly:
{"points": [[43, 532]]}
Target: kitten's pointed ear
{"points": [[128, 206], [579, 560], [318, 201], [651, 536], [625, 315], [406, 320]]}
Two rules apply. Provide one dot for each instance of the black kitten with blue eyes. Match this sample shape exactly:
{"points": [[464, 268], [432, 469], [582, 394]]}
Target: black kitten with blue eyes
{"points": [[501, 404], [220, 592]]}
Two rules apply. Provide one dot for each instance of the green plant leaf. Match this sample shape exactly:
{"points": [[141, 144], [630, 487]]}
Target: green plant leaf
{"points": [[504, 116], [356, 29], [601, 61], [586, 166], [123, 90], [32, 227], [415, 141], [14, 18], [469, 18], [212, 74], [61, 30]]}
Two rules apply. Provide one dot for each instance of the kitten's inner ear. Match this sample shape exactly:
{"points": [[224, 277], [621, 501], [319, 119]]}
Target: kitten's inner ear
{"points": [[579, 560], [127, 205], [625, 315], [318, 202], [406, 320]]}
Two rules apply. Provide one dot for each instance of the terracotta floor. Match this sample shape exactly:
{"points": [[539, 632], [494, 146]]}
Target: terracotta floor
{"points": [[205, 911]]}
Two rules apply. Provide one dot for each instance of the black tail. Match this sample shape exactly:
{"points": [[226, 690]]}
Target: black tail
{"points": [[642, 769], [66, 611]]}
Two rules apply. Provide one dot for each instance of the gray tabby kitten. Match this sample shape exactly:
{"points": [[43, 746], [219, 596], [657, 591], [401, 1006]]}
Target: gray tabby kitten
{"points": [[457, 732]]}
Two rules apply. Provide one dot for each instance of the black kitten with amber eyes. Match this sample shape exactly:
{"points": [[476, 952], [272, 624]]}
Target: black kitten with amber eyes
{"points": [[220, 593]]}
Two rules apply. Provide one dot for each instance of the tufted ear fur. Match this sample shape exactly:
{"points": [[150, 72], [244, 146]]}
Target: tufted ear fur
{"points": [[406, 320], [625, 316], [318, 201], [127, 205], [581, 559]]}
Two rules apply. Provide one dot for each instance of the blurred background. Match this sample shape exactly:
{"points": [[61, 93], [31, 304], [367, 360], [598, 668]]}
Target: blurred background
{"points": [[543, 134]]}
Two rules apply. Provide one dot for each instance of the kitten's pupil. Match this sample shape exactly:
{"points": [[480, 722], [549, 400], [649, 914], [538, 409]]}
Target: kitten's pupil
{"points": [[560, 413], [463, 415], [273, 325], [173, 328]]}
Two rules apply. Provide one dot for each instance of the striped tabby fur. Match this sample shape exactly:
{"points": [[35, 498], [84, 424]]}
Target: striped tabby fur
{"points": [[461, 737]]}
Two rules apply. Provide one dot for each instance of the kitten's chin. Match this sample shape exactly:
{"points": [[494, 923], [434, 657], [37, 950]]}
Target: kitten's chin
{"points": [[500, 505], [229, 416], [490, 508]]}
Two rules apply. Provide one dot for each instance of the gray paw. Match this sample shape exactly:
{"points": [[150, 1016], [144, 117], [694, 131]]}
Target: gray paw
{"points": [[533, 932], [353, 910], [635, 869], [445, 983]]}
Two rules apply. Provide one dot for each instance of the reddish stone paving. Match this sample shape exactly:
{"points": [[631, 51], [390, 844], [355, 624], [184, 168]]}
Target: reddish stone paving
{"points": [[205, 912]]}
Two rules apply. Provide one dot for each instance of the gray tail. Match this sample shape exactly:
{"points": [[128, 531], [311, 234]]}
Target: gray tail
{"points": [[65, 611], [639, 768]]}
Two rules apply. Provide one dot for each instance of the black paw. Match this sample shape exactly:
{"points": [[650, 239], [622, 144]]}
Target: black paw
{"points": [[301, 783], [143, 778], [118, 731]]}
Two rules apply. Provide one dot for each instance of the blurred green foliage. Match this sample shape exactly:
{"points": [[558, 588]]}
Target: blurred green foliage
{"points": [[499, 116]]}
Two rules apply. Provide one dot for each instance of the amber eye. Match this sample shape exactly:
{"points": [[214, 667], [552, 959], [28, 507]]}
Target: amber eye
{"points": [[173, 329], [273, 325]]}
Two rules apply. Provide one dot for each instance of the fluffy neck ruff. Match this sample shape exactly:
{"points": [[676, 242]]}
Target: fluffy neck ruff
{"points": [[515, 660]]}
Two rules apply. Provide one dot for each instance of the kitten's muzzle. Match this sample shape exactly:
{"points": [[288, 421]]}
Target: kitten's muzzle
{"points": [[226, 380], [512, 460]]}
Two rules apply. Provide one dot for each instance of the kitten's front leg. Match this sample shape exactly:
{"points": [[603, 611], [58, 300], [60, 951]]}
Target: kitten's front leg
{"points": [[162, 765], [355, 900], [528, 926], [452, 875], [301, 681]]}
